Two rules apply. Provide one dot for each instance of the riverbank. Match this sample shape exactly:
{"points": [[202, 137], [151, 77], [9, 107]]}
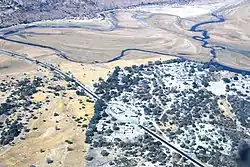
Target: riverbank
{"points": [[138, 38], [18, 12]]}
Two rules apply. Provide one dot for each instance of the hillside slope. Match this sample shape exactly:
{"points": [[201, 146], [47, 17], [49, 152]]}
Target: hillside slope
{"points": [[24, 11]]}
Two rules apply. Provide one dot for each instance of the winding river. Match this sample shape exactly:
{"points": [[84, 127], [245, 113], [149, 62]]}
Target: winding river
{"points": [[203, 38]]}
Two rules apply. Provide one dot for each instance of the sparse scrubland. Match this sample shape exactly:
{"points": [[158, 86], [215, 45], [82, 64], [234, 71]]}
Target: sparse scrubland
{"points": [[110, 91], [43, 119], [178, 100]]}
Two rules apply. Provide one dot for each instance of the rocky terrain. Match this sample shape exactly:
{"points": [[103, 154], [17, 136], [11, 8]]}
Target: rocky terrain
{"points": [[25, 11]]}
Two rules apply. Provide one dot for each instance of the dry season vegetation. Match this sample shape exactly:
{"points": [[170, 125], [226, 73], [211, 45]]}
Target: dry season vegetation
{"points": [[50, 132], [47, 119], [53, 133]]}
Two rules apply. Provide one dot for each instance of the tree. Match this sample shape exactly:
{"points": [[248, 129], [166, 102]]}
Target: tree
{"points": [[117, 69], [98, 107], [158, 62], [125, 79], [226, 80], [195, 85], [205, 83], [192, 70], [104, 153], [80, 93], [236, 78], [134, 66]]}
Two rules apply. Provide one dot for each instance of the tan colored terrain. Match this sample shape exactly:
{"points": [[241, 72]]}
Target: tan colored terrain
{"points": [[225, 108], [48, 141], [12, 66], [90, 73], [157, 32], [234, 33], [154, 33]]}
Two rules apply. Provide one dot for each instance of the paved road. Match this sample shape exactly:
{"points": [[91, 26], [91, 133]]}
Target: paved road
{"points": [[203, 38], [54, 69], [171, 146], [92, 95]]}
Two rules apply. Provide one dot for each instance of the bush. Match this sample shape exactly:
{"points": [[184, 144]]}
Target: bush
{"points": [[205, 83], [236, 78], [195, 85], [49, 161], [80, 93], [104, 153], [68, 141], [116, 128], [89, 158], [158, 62], [226, 80]]}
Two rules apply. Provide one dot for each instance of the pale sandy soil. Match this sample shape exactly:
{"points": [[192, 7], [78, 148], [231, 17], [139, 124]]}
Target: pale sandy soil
{"points": [[52, 141], [12, 66], [96, 23], [225, 108], [162, 33], [49, 139], [89, 74], [159, 31], [233, 33], [235, 60], [194, 9]]}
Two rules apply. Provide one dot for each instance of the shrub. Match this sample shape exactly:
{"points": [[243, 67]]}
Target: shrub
{"points": [[226, 80]]}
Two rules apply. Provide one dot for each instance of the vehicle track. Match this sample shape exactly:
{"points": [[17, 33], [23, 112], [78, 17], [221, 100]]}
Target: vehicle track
{"points": [[53, 69], [94, 96], [195, 28], [171, 146]]}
